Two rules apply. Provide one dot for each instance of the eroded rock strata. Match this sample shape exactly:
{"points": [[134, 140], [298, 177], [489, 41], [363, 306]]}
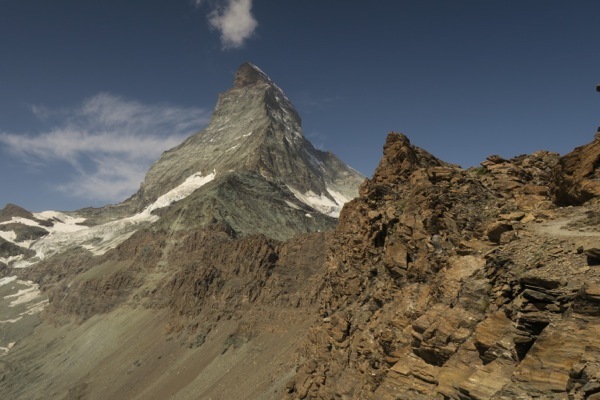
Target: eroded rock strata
{"points": [[456, 284]]}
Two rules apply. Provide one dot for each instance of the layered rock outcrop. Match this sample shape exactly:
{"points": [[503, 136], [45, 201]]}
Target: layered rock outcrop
{"points": [[441, 284], [577, 176]]}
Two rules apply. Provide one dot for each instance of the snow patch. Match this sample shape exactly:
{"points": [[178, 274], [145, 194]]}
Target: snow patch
{"points": [[21, 220], [182, 191], [5, 350], [292, 205], [101, 238], [25, 295], [35, 308], [7, 260], [7, 280], [62, 222], [339, 198], [321, 203], [9, 236]]}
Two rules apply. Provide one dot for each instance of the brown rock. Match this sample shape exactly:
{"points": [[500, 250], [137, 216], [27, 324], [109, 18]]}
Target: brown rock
{"points": [[593, 256], [495, 230], [576, 177]]}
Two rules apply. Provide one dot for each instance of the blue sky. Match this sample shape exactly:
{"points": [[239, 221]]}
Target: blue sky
{"points": [[91, 92]]}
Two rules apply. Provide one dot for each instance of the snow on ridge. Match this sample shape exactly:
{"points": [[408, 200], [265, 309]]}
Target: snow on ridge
{"points": [[182, 191], [62, 222], [25, 295], [20, 220], [100, 238], [9, 236], [7, 280], [322, 203]]}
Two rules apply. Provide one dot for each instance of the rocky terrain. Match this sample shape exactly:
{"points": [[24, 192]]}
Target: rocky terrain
{"points": [[460, 284], [231, 278]]}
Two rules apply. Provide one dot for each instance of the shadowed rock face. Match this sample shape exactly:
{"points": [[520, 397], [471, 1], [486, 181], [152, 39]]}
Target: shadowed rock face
{"points": [[248, 74], [577, 176]]}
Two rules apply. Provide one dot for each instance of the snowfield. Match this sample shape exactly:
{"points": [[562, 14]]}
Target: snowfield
{"points": [[322, 203], [68, 231]]}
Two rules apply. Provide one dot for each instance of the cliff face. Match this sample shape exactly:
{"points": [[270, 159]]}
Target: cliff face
{"points": [[254, 128], [577, 176], [445, 283]]}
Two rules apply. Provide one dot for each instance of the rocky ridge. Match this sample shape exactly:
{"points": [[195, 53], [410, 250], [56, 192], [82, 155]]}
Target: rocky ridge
{"points": [[456, 284]]}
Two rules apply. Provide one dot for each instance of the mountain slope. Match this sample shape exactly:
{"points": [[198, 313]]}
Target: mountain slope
{"points": [[437, 282], [255, 128]]}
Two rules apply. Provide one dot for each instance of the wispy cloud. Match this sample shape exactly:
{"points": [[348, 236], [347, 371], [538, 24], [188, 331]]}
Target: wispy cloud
{"points": [[109, 142], [233, 19]]}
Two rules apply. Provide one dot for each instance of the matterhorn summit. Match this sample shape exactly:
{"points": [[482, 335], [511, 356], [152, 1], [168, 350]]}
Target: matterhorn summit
{"points": [[264, 171]]}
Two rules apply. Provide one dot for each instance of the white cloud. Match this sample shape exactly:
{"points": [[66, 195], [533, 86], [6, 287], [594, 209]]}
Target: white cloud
{"points": [[233, 19], [110, 142]]}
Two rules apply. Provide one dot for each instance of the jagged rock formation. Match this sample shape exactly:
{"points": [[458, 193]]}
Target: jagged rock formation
{"points": [[440, 285]]}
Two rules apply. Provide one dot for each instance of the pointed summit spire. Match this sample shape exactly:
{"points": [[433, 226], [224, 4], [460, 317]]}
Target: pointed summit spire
{"points": [[249, 74], [255, 130]]}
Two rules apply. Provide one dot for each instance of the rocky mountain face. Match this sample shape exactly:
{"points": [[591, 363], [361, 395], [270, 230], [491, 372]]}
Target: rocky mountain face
{"points": [[458, 284], [255, 134], [250, 170], [436, 283]]}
